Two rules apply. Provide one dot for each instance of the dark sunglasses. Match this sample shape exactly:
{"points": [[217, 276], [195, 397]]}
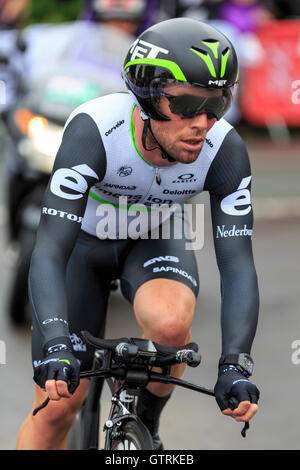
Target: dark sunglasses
{"points": [[189, 106]]}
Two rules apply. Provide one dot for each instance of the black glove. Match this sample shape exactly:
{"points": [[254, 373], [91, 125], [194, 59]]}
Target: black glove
{"points": [[232, 384], [58, 364]]}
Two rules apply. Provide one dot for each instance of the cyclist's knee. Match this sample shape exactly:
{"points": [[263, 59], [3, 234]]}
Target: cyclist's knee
{"points": [[171, 330], [168, 322], [164, 309]]}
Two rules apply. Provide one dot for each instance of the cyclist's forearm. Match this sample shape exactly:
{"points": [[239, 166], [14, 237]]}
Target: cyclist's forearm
{"points": [[56, 238], [240, 306], [239, 289], [239, 286], [47, 296]]}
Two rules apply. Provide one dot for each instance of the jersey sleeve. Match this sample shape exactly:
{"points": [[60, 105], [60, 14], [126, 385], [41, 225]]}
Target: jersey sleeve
{"points": [[79, 164], [229, 184]]}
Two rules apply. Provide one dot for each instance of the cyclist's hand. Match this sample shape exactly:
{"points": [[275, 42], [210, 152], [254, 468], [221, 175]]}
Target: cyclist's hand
{"points": [[58, 374], [232, 384]]}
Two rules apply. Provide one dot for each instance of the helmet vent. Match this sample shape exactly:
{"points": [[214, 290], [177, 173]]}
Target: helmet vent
{"points": [[199, 50], [225, 51]]}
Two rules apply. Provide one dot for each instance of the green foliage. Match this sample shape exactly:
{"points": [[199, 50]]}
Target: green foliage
{"points": [[53, 11]]}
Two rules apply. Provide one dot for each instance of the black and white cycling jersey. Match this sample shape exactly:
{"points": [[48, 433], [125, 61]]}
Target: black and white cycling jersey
{"points": [[100, 182]]}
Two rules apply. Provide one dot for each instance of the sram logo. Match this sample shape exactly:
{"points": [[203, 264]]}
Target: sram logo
{"points": [[69, 183], [161, 258], [242, 197], [50, 320], [142, 49]]}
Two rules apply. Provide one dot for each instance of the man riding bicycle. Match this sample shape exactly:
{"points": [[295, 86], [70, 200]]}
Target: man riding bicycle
{"points": [[165, 135]]}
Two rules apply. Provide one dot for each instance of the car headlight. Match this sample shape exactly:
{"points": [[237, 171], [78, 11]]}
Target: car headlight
{"points": [[41, 140]]}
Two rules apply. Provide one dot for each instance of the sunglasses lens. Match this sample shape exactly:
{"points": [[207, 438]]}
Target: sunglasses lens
{"points": [[188, 106], [183, 101]]}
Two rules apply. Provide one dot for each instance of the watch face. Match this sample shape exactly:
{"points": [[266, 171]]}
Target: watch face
{"points": [[243, 362], [247, 363]]}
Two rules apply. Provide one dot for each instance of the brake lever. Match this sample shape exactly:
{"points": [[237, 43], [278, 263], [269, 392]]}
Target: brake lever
{"points": [[245, 429], [233, 403]]}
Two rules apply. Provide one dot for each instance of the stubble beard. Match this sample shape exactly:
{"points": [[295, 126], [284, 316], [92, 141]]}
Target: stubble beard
{"points": [[173, 147], [179, 154]]}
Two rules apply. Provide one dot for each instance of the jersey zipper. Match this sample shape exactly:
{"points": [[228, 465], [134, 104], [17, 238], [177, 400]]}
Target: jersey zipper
{"points": [[157, 176]]}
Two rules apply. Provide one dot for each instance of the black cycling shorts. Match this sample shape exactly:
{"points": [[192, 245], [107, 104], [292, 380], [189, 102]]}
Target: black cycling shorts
{"points": [[95, 263]]}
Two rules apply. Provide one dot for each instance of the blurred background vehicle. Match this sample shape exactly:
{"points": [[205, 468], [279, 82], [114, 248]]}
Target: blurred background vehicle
{"points": [[56, 54]]}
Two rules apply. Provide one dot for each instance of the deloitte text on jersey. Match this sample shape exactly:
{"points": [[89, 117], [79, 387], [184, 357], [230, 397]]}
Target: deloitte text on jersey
{"points": [[123, 220]]}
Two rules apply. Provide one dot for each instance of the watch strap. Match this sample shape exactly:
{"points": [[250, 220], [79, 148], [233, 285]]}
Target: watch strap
{"points": [[242, 361]]}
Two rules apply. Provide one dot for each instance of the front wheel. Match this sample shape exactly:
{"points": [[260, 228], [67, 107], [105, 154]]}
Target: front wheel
{"points": [[133, 435]]}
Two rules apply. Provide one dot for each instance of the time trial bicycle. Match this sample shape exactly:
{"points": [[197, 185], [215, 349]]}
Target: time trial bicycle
{"points": [[125, 364]]}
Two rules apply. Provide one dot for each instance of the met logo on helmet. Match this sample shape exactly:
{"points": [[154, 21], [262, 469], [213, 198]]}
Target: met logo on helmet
{"points": [[141, 49], [217, 82]]}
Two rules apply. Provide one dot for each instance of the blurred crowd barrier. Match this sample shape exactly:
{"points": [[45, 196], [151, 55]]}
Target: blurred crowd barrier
{"points": [[270, 93]]}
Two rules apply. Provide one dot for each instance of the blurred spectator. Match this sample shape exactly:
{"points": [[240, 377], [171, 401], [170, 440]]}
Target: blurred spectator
{"points": [[246, 15], [123, 15], [151, 13], [12, 12], [97, 41], [12, 48], [201, 10]]}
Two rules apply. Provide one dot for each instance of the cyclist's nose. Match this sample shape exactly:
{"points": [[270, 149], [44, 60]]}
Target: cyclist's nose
{"points": [[200, 121]]}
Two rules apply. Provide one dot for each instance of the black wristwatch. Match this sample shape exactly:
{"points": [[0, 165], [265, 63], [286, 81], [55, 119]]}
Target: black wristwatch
{"points": [[243, 362]]}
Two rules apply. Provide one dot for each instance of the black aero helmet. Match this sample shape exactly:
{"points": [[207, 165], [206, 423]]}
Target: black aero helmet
{"points": [[187, 52]]}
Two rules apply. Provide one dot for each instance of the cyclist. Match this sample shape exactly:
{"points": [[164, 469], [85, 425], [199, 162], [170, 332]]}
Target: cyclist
{"points": [[165, 136]]}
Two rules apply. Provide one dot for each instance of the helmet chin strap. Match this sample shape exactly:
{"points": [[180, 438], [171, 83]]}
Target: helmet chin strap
{"points": [[164, 154]]}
